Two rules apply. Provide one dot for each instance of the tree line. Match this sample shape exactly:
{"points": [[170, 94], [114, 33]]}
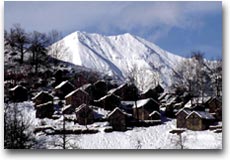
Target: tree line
{"points": [[35, 45], [199, 77]]}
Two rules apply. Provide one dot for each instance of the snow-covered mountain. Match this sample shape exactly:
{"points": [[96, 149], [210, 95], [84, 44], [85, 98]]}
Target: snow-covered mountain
{"points": [[120, 54]]}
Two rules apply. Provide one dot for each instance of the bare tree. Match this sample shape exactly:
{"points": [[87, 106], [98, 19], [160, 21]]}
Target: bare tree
{"points": [[38, 44], [217, 77], [143, 78], [17, 129], [63, 141], [18, 40], [194, 75]]}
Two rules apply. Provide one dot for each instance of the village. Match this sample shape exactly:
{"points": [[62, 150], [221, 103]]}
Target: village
{"points": [[87, 107]]}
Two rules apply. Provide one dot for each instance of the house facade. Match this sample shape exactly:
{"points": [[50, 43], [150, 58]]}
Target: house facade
{"points": [[77, 97], [117, 120], [181, 118], [42, 97], [63, 89], [84, 114], [198, 120]]}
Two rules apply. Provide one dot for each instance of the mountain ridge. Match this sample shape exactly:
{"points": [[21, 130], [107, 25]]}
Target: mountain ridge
{"points": [[118, 54]]}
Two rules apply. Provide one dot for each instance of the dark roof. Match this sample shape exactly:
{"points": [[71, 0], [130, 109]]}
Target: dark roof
{"points": [[17, 87]]}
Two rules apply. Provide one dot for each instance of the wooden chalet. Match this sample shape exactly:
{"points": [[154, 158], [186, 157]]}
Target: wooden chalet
{"points": [[181, 118], [63, 89], [84, 114], [45, 110], [144, 107], [171, 106], [42, 97], [18, 94], [214, 104], [108, 102], [77, 97], [117, 119], [152, 92], [199, 120], [127, 92]]}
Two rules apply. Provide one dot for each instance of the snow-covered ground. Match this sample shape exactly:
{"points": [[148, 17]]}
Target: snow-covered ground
{"points": [[154, 137]]}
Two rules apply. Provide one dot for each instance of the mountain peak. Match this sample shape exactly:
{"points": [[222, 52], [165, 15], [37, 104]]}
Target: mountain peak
{"points": [[118, 54]]}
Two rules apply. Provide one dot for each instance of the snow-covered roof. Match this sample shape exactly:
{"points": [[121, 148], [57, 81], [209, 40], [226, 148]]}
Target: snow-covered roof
{"points": [[142, 102], [115, 110], [115, 89], [172, 99], [202, 114], [77, 90], [154, 112], [62, 84], [183, 110], [17, 86], [86, 86], [40, 93], [162, 95], [44, 104], [106, 96], [66, 107], [198, 100], [99, 81]]}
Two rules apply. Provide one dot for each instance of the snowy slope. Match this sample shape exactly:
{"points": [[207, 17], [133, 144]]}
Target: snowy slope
{"points": [[116, 55], [155, 137]]}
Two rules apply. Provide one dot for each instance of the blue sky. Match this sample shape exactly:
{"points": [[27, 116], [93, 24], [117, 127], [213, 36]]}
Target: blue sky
{"points": [[179, 27]]}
